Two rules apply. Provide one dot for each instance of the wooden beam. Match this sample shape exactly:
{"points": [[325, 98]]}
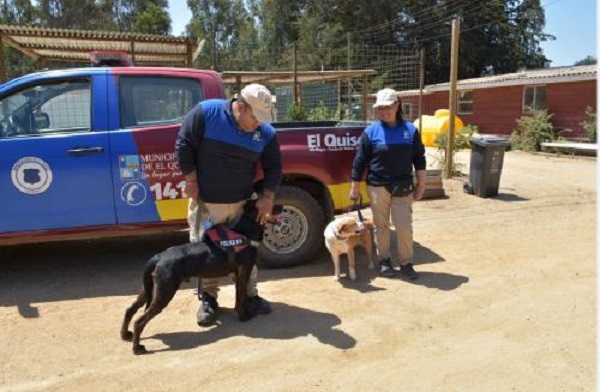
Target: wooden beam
{"points": [[138, 50], [3, 76], [19, 47]]}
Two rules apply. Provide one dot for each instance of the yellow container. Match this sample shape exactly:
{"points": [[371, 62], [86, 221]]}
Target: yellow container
{"points": [[435, 125]]}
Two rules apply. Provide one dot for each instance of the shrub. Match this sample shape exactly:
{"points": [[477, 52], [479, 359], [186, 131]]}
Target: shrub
{"points": [[589, 125], [322, 112], [461, 142], [461, 138], [532, 130], [298, 112]]}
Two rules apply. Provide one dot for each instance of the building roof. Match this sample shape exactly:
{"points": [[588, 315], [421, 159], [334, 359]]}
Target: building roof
{"points": [[526, 77], [76, 45]]}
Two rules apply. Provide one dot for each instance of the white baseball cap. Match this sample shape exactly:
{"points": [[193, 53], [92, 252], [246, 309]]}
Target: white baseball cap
{"points": [[386, 97], [259, 99]]}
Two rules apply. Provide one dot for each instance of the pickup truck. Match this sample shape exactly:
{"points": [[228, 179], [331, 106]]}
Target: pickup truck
{"points": [[89, 153]]}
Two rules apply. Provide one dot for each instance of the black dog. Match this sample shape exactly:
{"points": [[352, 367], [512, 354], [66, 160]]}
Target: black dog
{"points": [[165, 271]]}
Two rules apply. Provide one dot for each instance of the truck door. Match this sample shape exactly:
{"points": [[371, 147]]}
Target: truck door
{"points": [[148, 182], [54, 156]]}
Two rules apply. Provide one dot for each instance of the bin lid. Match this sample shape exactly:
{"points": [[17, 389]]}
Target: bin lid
{"points": [[490, 141]]}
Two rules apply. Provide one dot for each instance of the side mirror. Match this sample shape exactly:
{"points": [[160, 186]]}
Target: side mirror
{"points": [[41, 120]]}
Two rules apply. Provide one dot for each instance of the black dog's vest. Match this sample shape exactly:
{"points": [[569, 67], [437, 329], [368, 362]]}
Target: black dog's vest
{"points": [[228, 241]]}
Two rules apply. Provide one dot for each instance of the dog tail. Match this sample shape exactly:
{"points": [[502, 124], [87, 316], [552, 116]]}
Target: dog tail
{"points": [[148, 280]]}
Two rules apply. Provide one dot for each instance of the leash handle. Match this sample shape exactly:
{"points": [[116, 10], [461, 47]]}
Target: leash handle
{"points": [[357, 206]]}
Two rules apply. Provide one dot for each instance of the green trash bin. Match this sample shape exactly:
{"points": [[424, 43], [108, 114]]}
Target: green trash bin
{"points": [[487, 158]]}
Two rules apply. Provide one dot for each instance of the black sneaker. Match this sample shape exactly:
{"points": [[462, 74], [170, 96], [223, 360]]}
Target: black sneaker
{"points": [[259, 305], [385, 269], [207, 313], [408, 271]]}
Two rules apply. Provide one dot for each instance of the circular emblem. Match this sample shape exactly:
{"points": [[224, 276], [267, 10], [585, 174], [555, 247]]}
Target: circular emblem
{"points": [[31, 175], [133, 193]]}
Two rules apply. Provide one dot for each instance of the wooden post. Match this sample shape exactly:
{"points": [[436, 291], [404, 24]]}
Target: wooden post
{"points": [[452, 103], [238, 83], [132, 52], [214, 53], [40, 63], [188, 54], [421, 85], [365, 92], [295, 69], [349, 65]]}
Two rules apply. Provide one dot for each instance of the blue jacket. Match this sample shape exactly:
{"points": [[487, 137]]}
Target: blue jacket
{"points": [[223, 156], [388, 153]]}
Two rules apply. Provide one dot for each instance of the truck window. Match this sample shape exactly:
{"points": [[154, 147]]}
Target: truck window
{"points": [[149, 101], [47, 108]]}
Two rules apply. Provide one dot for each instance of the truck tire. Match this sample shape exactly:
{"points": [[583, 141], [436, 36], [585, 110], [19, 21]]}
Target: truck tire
{"points": [[299, 234]]}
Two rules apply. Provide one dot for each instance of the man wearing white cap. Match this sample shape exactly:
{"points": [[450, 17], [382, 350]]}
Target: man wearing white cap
{"points": [[389, 149], [218, 148]]}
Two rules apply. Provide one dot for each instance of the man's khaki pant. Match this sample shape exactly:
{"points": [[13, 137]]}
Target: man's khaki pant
{"points": [[383, 205], [219, 213]]}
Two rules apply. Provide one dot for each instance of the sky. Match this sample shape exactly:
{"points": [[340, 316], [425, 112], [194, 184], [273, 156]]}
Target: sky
{"points": [[572, 22]]}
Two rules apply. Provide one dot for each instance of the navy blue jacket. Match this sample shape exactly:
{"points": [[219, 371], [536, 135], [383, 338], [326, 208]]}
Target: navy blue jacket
{"points": [[388, 153], [223, 156]]}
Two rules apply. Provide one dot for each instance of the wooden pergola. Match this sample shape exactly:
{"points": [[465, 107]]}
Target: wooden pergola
{"points": [[45, 44]]}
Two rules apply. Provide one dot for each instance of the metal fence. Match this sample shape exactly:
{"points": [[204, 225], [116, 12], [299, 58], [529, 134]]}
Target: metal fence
{"points": [[336, 97]]}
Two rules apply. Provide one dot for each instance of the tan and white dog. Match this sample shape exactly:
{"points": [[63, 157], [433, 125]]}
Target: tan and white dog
{"points": [[342, 235]]}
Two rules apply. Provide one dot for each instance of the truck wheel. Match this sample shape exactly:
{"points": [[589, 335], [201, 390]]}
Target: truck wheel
{"points": [[299, 234]]}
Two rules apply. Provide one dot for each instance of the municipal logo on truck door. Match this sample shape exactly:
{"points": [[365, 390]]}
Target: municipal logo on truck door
{"points": [[31, 175]]}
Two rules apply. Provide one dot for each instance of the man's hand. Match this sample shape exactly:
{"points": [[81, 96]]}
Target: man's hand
{"points": [[264, 204], [419, 191], [192, 190], [354, 191]]}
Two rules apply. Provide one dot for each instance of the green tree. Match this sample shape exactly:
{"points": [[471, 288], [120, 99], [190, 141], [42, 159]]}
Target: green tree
{"points": [[227, 28], [75, 14], [141, 16], [588, 60], [153, 18]]}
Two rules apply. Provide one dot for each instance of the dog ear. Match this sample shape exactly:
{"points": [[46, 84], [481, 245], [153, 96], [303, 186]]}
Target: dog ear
{"points": [[347, 226]]}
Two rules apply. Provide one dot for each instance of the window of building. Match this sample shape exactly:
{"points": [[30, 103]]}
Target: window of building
{"points": [[407, 110], [534, 97], [464, 102], [147, 101]]}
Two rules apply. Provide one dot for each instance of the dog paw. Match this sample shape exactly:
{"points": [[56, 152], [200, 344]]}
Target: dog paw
{"points": [[336, 278], [127, 336], [352, 275], [139, 350]]}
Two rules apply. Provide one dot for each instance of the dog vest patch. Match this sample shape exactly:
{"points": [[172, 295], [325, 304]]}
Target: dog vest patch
{"points": [[227, 239]]}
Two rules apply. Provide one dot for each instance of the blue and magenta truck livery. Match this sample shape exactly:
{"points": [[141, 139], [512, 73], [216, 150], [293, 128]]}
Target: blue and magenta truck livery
{"points": [[89, 153]]}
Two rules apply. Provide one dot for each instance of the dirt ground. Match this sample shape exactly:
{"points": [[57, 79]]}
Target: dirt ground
{"points": [[506, 301]]}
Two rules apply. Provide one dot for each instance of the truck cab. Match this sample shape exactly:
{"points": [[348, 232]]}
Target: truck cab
{"points": [[91, 149]]}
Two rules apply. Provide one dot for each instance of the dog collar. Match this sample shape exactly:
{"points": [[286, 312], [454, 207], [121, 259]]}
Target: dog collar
{"points": [[339, 237]]}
